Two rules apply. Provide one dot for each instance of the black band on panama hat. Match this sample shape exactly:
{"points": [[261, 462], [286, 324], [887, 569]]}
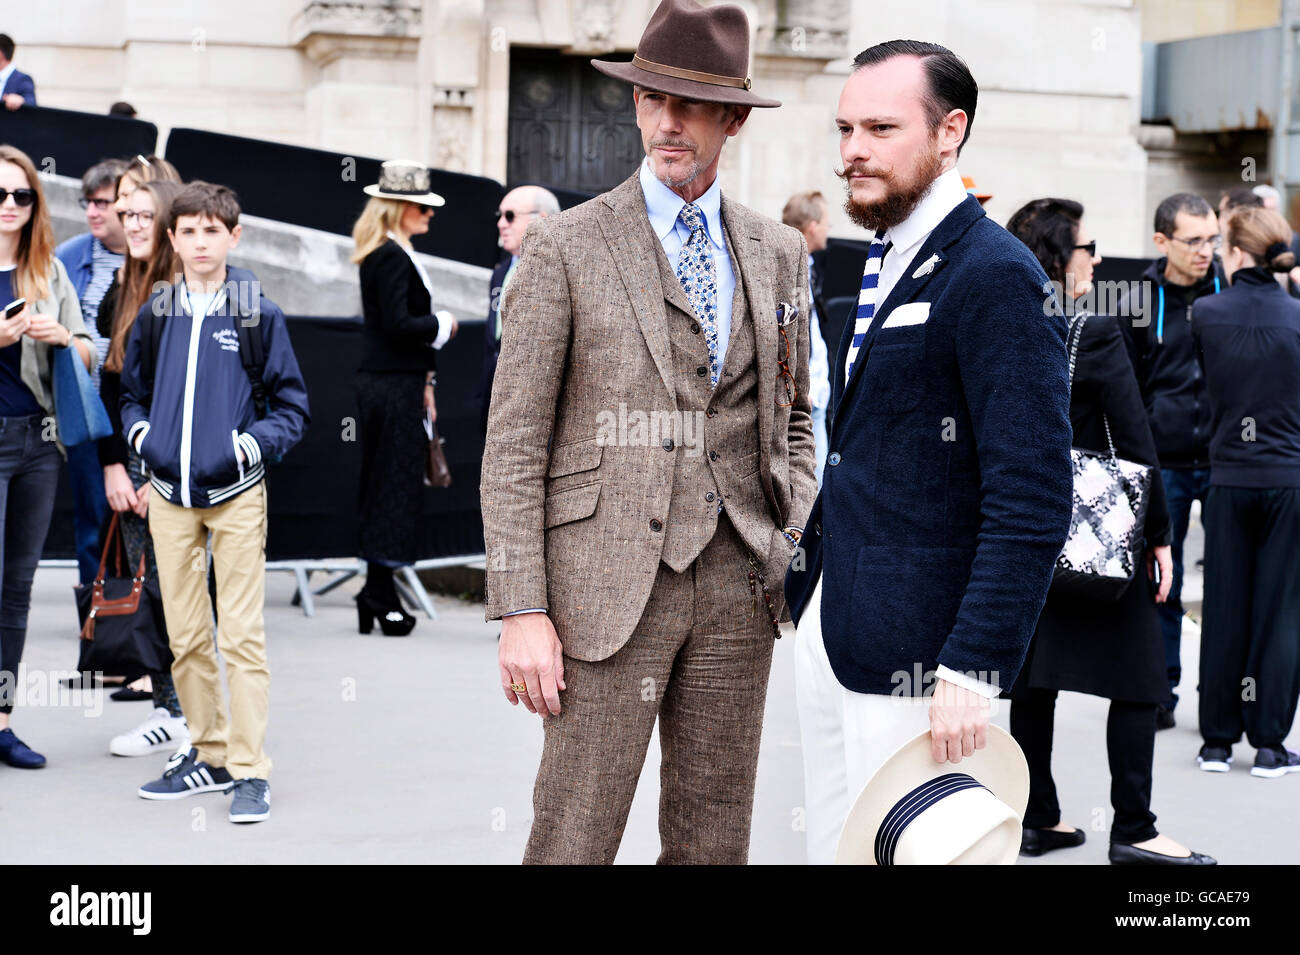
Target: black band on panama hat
{"points": [[694, 52]]}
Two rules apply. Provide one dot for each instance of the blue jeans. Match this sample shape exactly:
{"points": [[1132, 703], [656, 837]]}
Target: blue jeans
{"points": [[29, 476], [1181, 488], [86, 478]]}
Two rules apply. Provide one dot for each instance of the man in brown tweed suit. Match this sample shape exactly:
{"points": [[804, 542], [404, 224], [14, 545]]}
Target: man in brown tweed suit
{"points": [[649, 466]]}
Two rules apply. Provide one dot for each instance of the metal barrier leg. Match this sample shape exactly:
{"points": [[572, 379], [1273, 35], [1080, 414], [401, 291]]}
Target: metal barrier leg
{"points": [[304, 591], [408, 581]]}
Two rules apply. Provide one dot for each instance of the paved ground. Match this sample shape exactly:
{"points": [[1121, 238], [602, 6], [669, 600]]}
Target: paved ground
{"points": [[391, 750]]}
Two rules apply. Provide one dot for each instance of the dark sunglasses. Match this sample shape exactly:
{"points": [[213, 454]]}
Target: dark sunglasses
{"points": [[22, 197], [509, 214], [100, 204], [1091, 247]]}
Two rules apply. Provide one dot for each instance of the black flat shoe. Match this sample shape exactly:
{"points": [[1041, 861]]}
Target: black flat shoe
{"points": [[1165, 718], [1122, 854], [126, 694], [393, 620], [1034, 842]]}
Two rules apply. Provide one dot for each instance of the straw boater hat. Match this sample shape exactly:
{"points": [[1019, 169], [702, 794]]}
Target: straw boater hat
{"points": [[915, 811], [694, 52], [405, 179]]}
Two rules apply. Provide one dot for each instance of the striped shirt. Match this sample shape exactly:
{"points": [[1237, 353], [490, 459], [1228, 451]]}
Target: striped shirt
{"points": [[103, 264]]}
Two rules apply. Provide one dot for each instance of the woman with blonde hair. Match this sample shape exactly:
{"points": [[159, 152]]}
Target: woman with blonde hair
{"points": [[1247, 339], [29, 452], [394, 382], [150, 262]]}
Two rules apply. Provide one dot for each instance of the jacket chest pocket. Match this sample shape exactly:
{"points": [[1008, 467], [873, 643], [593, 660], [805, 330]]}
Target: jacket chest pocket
{"points": [[895, 376]]}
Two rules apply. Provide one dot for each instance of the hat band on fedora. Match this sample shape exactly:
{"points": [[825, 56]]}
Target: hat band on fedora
{"points": [[713, 79], [912, 805]]}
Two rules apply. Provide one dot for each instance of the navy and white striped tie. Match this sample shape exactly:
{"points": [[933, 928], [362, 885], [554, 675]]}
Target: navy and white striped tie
{"points": [[866, 299]]}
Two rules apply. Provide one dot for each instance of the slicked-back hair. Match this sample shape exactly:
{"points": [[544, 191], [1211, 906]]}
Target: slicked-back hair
{"points": [[1050, 229], [1188, 202], [6, 46], [950, 83], [207, 200]]}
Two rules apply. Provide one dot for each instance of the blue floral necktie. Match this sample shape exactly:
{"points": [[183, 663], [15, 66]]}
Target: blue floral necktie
{"points": [[695, 272]]}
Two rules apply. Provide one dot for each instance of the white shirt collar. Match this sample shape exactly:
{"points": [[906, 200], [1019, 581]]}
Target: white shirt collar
{"points": [[6, 73], [664, 206], [945, 194]]}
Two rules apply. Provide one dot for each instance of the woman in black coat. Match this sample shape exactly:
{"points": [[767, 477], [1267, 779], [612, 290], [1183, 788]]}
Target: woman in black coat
{"points": [[394, 383], [1111, 649]]}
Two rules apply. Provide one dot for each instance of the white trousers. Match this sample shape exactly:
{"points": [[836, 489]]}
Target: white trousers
{"points": [[846, 736]]}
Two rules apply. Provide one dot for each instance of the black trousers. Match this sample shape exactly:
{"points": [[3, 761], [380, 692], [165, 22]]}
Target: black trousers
{"points": [[1130, 747], [1250, 635]]}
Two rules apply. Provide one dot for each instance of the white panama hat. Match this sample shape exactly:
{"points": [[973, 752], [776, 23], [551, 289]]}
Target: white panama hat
{"points": [[405, 179], [915, 811]]}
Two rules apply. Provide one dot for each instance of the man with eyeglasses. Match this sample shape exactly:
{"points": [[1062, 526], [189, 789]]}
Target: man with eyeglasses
{"points": [[91, 260], [520, 208], [1156, 321]]}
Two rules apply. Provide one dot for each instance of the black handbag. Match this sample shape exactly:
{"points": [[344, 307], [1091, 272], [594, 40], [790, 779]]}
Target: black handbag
{"points": [[1103, 552], [123, 632]]}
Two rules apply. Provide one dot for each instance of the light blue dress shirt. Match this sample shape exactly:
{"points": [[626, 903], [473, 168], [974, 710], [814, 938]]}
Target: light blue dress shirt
{"points": [[663, 206]]}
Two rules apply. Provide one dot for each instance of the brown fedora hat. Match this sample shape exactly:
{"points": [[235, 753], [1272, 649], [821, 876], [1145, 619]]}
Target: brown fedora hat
{"points": [[694, 52]]}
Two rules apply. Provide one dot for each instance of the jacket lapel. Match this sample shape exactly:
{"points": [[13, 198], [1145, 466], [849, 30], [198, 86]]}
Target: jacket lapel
{"points": [[744, 236], [925, 265], [636, 252]]}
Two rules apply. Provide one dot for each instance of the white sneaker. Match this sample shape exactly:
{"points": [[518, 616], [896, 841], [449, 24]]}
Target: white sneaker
{"points": [[158, 733]]}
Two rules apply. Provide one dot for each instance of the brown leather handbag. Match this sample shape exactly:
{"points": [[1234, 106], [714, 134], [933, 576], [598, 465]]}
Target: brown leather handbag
{"points": [[122, 626], [436, 472]]}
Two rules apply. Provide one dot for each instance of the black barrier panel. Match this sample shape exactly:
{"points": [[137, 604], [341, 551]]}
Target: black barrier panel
{"points": [[65, 142], [313, 492], [307, 187]]}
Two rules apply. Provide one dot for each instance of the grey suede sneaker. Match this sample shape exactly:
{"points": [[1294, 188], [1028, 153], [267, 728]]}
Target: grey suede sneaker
{"points": [[252, 802]]}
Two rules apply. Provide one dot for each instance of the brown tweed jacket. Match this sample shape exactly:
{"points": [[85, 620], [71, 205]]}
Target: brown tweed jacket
{"points": [[572, 524]]}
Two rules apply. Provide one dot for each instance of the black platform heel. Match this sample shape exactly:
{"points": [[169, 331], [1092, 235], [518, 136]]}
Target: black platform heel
{"points": [[393, 620]]}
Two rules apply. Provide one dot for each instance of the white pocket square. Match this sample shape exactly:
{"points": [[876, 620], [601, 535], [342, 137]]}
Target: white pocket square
{"points": [[913, 313]]}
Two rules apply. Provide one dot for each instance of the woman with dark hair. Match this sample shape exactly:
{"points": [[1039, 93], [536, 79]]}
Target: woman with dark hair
{"points": [[29, 461], [1109, 649], [1248, 342], [150, 260], [394, 383]]}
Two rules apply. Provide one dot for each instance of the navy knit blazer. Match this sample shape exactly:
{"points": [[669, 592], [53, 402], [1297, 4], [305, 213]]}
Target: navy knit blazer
{"points": [[946, 495]]}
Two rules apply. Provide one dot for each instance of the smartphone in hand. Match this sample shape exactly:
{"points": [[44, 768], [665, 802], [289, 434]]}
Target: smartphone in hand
{"points": [[14, 307]]}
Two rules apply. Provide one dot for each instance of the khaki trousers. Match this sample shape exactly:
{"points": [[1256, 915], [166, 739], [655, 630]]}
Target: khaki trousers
{"points": [[698, 661], [238, 529]]}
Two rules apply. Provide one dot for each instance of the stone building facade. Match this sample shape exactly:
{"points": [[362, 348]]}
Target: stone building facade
{"points": [[492, 86]]}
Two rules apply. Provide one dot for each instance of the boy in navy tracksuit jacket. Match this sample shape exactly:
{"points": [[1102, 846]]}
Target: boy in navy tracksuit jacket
{"points": [[191, 414]]}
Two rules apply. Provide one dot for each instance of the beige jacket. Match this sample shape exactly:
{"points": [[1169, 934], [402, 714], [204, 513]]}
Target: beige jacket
{"points": [[584, 330]]}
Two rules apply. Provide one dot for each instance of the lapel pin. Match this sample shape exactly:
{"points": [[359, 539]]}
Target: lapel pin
{"points": [[927, 266], [785, 313]]}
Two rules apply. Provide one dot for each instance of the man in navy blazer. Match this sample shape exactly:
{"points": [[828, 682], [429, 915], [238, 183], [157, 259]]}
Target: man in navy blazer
{"points": [[519, 207], [947, 492], [16, 88]]}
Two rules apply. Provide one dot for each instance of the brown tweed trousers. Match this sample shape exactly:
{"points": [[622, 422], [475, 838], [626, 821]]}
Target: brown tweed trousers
{"points": [[607, 456]]}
